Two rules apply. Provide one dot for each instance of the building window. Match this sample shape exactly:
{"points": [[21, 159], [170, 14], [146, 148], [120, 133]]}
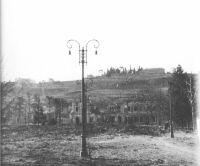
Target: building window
{"points": [[153, 119], [76, 108], [135, 108], [91, 119], [119, 119], [136, 119], [77, 121]]}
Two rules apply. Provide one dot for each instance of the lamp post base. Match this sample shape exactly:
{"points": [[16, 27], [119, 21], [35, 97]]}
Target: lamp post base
{"points": [[83, 154]]}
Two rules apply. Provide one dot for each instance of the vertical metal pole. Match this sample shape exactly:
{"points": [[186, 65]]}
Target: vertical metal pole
{"points": [[171, 115], [25, 116], [60, 112], [83, 60], [28, 107], [84, 150], [191, 103]]}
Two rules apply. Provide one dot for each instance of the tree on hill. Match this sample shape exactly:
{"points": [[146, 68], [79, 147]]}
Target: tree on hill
{"points": [[117, 71], [130, 70], [139, 69], [134, 71], [121, 70], [180, 106]]}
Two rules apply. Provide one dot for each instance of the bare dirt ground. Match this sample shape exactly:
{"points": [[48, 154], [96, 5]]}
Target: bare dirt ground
{"points": [[53, 146]]}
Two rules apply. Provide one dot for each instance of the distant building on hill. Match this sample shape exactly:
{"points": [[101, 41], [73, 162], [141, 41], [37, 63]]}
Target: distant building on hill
{"points": [[153, 71]]}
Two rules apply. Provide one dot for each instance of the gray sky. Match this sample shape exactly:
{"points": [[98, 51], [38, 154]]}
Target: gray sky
{"points": [[137, 33]]}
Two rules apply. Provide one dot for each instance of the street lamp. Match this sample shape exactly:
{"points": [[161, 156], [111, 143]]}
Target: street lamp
{"points": [[170, 90], [171, 112], [83, 60]]}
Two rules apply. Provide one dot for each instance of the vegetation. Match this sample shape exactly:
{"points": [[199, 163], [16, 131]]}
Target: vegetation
{"points": [[108, 143], [122, 70], [191, 95], [129, 85], [58, 104], [20, 109], [183, 97], [39, 117], [6, 101]]}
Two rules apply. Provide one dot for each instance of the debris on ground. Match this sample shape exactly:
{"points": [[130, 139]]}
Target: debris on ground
{"points": [[53, 145]]}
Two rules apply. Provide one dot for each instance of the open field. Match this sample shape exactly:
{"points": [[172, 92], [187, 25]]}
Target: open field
{"points": [[44, 145]]}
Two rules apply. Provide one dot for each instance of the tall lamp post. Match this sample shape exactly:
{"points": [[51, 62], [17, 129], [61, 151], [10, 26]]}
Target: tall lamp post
{"points": [[171, 112], [83, 60]]}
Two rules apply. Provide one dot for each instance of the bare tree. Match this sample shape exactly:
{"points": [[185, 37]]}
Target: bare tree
{"points": [[19, 107], [29, 106], [39, 116], [191, 97]]}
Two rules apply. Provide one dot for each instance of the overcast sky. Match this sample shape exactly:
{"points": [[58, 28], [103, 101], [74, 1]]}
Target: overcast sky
{"points": [[137, 33]]}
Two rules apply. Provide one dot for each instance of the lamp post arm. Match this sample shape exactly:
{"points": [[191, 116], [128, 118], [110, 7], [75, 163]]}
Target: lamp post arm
{"points": [[69, 43], [96, 43]]}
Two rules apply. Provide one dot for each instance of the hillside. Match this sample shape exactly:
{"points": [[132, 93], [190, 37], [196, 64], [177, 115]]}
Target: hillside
{"points": [[103, 87]]}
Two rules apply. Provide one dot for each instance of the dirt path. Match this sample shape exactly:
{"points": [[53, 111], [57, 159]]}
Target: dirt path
{"points": [[163, 149]]}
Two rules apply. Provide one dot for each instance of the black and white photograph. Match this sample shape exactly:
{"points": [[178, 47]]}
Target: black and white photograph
{"points": [[100, 83]]}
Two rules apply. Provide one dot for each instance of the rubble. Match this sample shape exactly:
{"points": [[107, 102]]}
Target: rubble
{"points": [[51, 145]]}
